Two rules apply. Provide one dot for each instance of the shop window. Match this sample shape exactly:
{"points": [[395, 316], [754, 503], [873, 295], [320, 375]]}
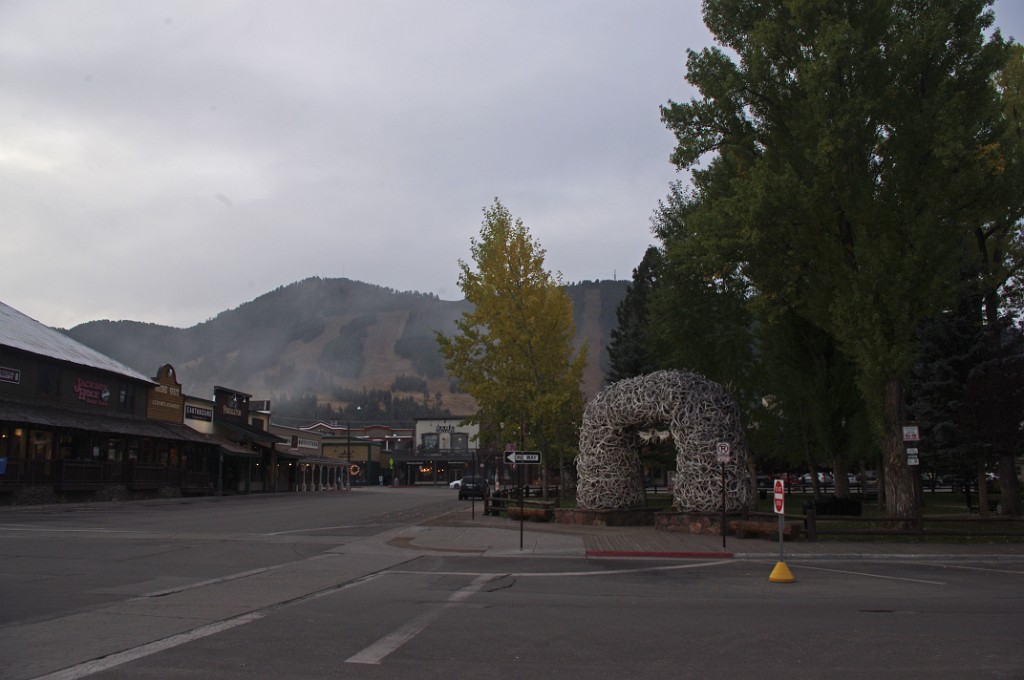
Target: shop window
{"points": [[460, 441], [430, 441], [42, 444], [127, 399], [12, 442], [49, 381]]}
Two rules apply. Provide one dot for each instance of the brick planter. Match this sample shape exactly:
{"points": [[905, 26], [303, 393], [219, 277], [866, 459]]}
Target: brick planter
{"points": [[689, 522], [606, 518]]}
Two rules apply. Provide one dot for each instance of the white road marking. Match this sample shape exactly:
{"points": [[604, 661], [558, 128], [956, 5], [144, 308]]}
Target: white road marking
{"points": [[306, 531], [552, 574], [389, 643], [89, 667], [887, 578], [948, 565]]}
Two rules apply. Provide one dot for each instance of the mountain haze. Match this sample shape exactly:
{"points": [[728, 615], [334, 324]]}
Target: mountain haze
{"points": [[328, 337]]}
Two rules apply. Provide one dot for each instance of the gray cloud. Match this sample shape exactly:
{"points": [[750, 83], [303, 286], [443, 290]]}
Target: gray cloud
{"points": [[166, 161]]}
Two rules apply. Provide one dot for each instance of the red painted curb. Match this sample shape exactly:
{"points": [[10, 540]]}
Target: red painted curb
{"points": [[677, 555]]}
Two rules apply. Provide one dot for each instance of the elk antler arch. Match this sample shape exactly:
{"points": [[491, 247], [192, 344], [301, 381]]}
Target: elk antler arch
{"points": [[699, 414]]}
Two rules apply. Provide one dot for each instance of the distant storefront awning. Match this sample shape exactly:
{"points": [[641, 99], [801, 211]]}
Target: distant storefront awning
{"points": [[186, 433], [255, 434], [229, 448], [320, 460]]}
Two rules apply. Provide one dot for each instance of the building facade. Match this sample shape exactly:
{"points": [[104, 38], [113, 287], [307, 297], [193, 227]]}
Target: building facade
{"points": [[76, 424], [443, 450]]}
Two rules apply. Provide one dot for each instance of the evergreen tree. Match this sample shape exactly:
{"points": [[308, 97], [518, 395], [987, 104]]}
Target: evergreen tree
{"points": [[631, 353]]}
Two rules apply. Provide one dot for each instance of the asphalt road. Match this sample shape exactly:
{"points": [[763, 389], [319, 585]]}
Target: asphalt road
{"points": [[329, 585]]}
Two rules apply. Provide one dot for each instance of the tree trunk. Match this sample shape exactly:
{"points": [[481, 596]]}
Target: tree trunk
{"points": [[840, 469], [1008, 486], [898, 483], [982, 490]]}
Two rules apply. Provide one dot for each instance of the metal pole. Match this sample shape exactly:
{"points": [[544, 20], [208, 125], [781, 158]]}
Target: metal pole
{"points": [[522, 506], [723, 506], [782, 526]]}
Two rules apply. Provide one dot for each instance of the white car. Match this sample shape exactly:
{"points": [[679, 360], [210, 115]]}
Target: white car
{"points": [[457, 484]]}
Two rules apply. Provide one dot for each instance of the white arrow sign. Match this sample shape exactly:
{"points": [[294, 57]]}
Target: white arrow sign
{"points": [[522, 457]]}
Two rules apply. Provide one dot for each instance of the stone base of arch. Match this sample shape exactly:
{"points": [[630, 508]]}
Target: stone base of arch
{"points": [[702, 523], [630, 517]]}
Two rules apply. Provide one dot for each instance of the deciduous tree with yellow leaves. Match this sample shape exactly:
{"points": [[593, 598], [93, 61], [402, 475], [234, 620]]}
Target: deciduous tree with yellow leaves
{"points": [[514, 352]]}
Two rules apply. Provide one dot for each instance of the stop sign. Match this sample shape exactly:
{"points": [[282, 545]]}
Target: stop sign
{"points": [[780, 496]]}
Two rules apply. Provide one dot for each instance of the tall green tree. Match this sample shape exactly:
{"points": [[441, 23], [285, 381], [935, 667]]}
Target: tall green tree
{"points": [[513, 352], [630, 352], [700, 316], [842, 159]]}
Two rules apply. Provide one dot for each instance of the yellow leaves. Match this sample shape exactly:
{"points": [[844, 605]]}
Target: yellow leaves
{"points": [[514, 351], [990, 157]]}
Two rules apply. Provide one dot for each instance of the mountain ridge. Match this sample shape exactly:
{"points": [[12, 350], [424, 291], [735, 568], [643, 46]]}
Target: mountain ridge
{"points": [[330, 337]]}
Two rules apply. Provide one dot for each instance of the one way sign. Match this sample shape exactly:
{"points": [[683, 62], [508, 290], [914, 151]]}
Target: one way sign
{"points": [[528, 457]]}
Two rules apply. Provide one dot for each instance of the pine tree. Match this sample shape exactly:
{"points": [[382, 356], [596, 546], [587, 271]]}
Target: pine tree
{"points": [[631, 353]]}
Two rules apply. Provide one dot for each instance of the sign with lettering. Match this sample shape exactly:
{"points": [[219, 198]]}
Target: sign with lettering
{"points": [[166, 402], [527, 457], [231, 405], [10, 375], [199, 413], [92, 392]]}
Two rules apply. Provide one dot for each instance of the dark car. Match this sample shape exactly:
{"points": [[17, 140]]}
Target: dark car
{"points": [[473, 487]]}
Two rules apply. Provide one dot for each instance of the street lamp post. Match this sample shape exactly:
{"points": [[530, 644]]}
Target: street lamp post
{"points": [[348, 435]]}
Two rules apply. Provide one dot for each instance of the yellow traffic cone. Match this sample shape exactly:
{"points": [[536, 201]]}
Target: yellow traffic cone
{"points": [[781, 574]]}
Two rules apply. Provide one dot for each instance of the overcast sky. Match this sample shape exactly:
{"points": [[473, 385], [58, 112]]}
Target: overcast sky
{"points": [[166, 161]]}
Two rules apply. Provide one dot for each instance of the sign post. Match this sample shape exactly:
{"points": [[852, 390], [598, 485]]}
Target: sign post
{"points": [[522, 458], [911, 441], [722, 451], [781, 573]]}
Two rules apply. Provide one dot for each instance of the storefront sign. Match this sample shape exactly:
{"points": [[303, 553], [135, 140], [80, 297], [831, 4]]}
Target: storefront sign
{"points": [[92, 392], [233, 406], [198, 413], [166, 402], [10, 375]]}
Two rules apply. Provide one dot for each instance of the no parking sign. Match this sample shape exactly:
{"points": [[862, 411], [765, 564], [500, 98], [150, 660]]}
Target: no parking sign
{"points": [[722, 452]]}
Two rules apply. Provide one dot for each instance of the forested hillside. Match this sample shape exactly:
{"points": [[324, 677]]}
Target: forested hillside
{"points": [[333, 341]]}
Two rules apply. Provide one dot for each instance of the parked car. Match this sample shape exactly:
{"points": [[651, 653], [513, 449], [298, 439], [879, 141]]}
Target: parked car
{"points": [[790, 478], [473, 487], [824, 478], [456, 484]]}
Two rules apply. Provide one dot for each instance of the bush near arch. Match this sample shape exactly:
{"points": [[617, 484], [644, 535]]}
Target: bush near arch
{"points": [[698, 413]]}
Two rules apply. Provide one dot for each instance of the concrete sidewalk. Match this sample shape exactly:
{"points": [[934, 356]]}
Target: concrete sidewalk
{"points": [[462, 532]]}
